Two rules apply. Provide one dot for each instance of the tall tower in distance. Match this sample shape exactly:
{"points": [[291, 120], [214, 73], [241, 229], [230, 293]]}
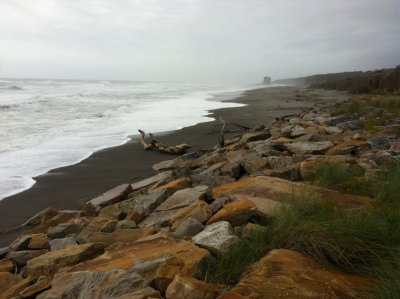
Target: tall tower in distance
{"points": [[267, 80]]}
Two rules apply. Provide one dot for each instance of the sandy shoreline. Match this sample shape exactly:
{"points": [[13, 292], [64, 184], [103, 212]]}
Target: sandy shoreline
{"points": [[69, 187]]}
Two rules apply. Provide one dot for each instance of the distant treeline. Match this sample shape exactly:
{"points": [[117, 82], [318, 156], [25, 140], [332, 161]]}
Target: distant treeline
{"points": [[378, 81]]}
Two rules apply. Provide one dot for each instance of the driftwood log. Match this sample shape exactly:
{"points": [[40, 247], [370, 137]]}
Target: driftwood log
{"points": [[178, 149]]}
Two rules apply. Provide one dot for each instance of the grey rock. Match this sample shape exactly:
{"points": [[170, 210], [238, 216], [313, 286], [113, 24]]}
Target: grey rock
{"points": [[216, 237], [58, 244], [379, 142], [213, 169], [189, 227], [21, 243], [126, 224], [165, 165], [111, 196], [63, 229], [152, 180], [141, 206], [217, 205], [183, 198]]}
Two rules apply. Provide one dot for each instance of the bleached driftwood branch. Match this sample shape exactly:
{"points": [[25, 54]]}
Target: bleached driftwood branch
{"points": [[158, 146]]}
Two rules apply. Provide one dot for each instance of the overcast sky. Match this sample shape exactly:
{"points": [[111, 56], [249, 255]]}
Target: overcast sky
{"points": [[195, 40]]}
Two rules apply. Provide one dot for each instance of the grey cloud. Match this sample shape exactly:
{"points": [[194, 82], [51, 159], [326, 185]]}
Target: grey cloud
{"points": [[195, 40]]}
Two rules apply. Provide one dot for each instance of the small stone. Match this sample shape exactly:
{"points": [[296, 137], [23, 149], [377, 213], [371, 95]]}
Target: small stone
{"points": [[218, 204], [152, 180], [379, 142], [109, 226], [251, 230]]}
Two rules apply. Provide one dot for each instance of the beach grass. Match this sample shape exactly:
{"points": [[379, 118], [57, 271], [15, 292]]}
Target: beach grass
{"points": [[365, 242]]}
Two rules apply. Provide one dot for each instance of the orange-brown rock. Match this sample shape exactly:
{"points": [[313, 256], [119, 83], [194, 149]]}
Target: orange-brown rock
{"points": [[7, 280], [7, 265], [232, 295], [13, 288], [49, 263], [122, 235], [123, 256], [347, 147], [39, 241], [199, 210], [309, 166], [42, 284], [183, 287], [145, 293], [289, 274], [268, 193], [237, 212], [192, 264], [175, 185], [62, 217]]}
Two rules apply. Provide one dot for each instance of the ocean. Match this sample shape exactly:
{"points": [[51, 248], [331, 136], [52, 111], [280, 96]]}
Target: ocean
{"points": [[46, 124]]}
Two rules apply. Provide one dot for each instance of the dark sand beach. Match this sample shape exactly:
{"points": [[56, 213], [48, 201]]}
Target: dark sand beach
{"points": [[69, 187]]}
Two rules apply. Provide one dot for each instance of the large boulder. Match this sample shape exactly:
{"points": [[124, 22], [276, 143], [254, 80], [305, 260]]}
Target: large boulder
{"points": [[100, 284], [192, 264], [199, 210], [180, 199], [269, 193], [23, 256], [49, 263], [301, 148], [39, 241], [41, 217], [126, 255], [293, 275], [216, 237], [152, 180], [236, 213], [64, 229]]}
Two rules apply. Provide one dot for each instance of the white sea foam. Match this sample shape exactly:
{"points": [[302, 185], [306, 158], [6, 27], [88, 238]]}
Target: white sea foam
{"points": [[50, 124]]}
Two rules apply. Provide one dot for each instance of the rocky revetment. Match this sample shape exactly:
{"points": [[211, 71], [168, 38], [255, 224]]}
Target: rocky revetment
{"points": [[306, 208]]}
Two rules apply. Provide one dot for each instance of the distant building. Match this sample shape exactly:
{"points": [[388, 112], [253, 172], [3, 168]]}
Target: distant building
{"points": [[267, 80]]}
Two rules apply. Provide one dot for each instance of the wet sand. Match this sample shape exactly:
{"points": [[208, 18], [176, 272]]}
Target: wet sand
{"points": [[69, 187]]}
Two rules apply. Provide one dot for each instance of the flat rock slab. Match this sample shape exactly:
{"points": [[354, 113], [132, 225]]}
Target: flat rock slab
{"points": [[165, 165], [189, 287], [264, 190], [301, 148], [236, 213], [297, 276], [49, 263], [124, 256], [183, 198], [152, 180], [216, 237], [108, 284], [111, 196]]}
